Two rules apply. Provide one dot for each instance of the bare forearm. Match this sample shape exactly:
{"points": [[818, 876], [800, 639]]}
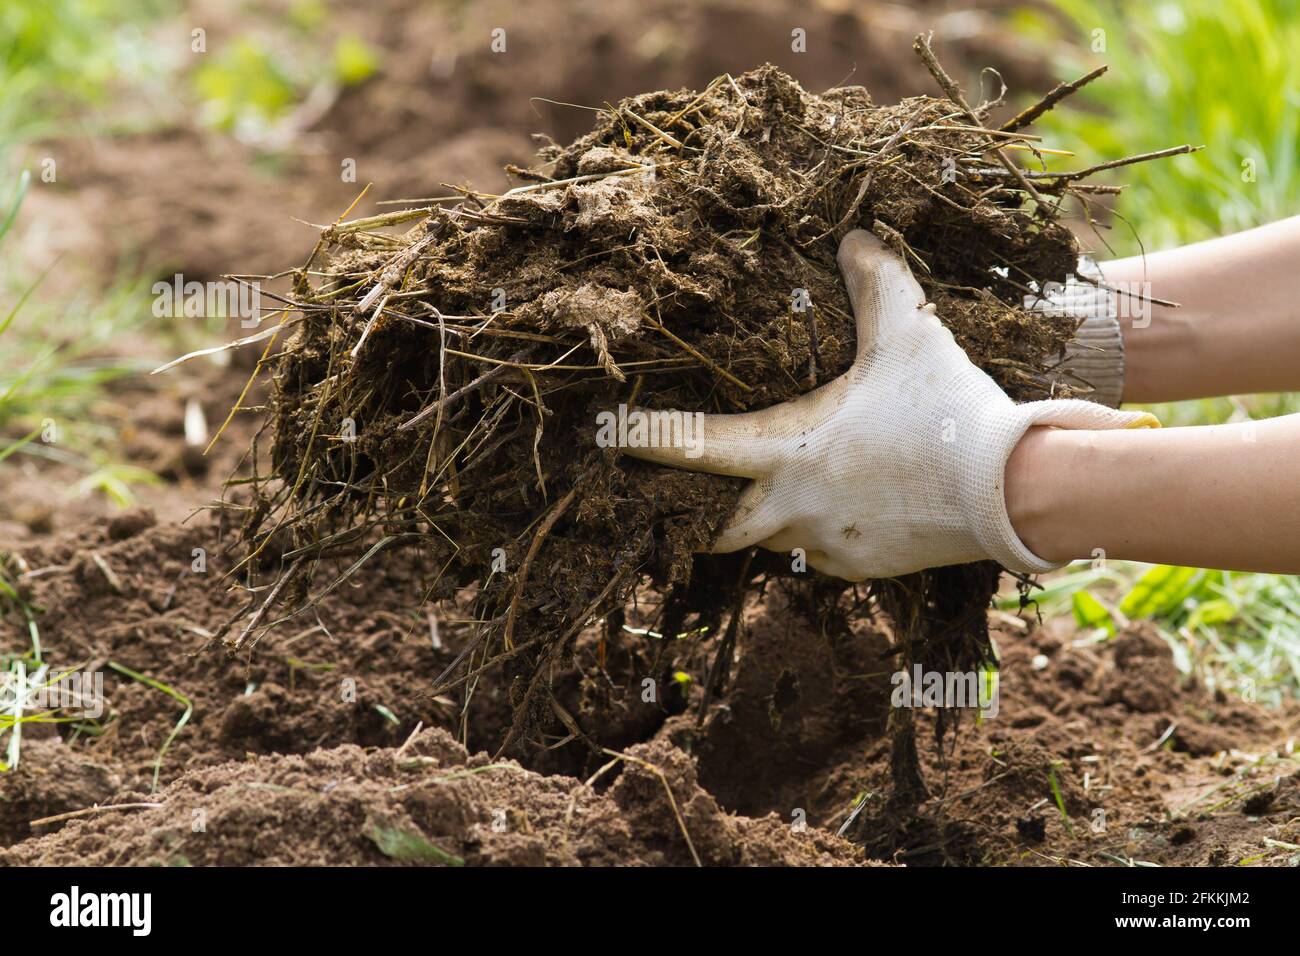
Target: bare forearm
{"points": [[1237, 327], [1220, 496]]}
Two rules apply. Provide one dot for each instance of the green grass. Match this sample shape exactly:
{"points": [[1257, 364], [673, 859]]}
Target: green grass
{"points": [[13, 713], [60, 63], [59, 384], [170, 692], [10, 390], [1057, 798], [1239, 633], [247, 85], [69, 67], [15, 677], [244, 82], [50, 387], [15, 203], [1222, 74], [59, 58]]}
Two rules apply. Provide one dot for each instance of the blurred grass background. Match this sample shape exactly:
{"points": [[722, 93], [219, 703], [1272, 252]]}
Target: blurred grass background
{"points": [[1219, 73], [61, 59], [78, 68], [61, 62], [1223, 74]]}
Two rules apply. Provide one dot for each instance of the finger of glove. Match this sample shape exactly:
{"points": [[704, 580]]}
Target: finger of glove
{"points": [[880, 285], [758, 516], [1076, 413], [746, 445]]}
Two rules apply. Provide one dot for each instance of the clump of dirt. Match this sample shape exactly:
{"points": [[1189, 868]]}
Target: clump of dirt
{"points": [[441, 390], [54, 779], [802, 692], [427, 802]]}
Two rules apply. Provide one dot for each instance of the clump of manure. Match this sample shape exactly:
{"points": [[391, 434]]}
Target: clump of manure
{"points": [[439, 389]]}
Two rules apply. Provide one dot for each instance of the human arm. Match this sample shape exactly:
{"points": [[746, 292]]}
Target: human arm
{"points": [[1236, 329], [1212, 496]]}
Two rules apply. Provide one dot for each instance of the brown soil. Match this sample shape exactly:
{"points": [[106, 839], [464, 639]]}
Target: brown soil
{"points": [[424, 803], [277, 766]]}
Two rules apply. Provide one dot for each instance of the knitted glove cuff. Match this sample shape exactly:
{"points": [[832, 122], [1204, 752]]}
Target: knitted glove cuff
{"points": [[1094, 358], [982, 481]]}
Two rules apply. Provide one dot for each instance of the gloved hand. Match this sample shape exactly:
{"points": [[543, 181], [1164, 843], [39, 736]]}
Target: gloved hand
{"points": [[896, 466]]}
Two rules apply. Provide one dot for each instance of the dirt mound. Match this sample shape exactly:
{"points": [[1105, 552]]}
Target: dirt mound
{"points": [[151, 602], [427, 803], [54, 779], [799, 696], [798, 734]]}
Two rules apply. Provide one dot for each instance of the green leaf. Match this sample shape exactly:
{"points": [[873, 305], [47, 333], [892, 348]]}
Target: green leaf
{"points": [[408, 846], [1089, 612], [1160, 592], [1215, 611], [353, 61]]}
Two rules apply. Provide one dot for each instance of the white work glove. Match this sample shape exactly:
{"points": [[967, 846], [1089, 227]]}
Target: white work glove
{"points": [[897, 465]]}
